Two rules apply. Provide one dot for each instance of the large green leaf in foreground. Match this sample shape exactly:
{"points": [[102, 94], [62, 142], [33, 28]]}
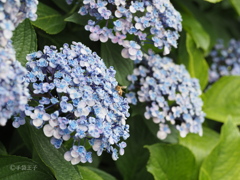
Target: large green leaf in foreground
{"points": [[52, 157], [223, 99], [171, 162], [14, 167], [201, 146], [223, 163]]}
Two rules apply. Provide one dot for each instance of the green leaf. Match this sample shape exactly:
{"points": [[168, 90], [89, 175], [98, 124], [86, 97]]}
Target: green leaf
{"points": [[52, 157], [132, 165], [102, 174], [224, 160], [154, 128], [200, 146], [49, 20], [78, 19], [63, 5], [24, 133], [236, 5], [24, 41], [213, 1], [3, 150], [111, 55], [90, 173], [193, 58], [223, 99], [195, 29], [87, 174], [14, 167], [170, 162]]}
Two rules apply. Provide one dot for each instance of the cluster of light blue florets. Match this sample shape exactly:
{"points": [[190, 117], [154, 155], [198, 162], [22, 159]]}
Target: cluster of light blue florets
{"points": [[13, 12], [74, 97], [150, 21], [170, 94], [225, 60], [13, 93]]}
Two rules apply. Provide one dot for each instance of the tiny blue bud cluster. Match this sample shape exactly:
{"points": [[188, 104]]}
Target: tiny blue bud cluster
{"points": [[149, 21], [76, 98], [225, 60], [13, 93], [13, 12], [170, 94]]}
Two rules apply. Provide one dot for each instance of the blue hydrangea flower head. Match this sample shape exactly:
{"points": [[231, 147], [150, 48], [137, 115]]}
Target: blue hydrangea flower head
{"points": [[170, 94], [13, 92], [225, 60], [150, 21], [76, 98], [13, 12]]}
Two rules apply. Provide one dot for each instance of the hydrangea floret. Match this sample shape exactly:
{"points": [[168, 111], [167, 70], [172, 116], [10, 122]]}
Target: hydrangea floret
{"points": [[225, 60], [150, 21], [13, 12], [74, 97], [13, 92], [170, 94]]}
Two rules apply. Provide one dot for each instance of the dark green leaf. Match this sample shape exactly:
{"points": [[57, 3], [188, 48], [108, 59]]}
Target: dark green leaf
{"points": [[223, 99], [52, 157], [193, 58], [17, 146], [49, 20], [24, 41], [102, 174], [3, 150], [195, 29], [224, 160], [154, 128], [63, 5], [78, 19], [132, 165], [111, 55], [68, 35], [14, 167], [171, 162], [25, 135]]}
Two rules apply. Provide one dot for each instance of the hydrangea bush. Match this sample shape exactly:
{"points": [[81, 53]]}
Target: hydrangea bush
{"points": [[13, 12], [170, 94], [76, 98], [13, 91], [119, 89], [155, 22]]}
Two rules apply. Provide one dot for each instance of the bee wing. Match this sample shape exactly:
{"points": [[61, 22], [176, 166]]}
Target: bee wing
{"points": [[124, 87]]}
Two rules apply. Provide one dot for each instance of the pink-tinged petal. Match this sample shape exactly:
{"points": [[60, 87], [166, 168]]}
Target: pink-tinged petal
{"points": [[132, 51], [94, 37], [125, 53], [103, 38]]}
